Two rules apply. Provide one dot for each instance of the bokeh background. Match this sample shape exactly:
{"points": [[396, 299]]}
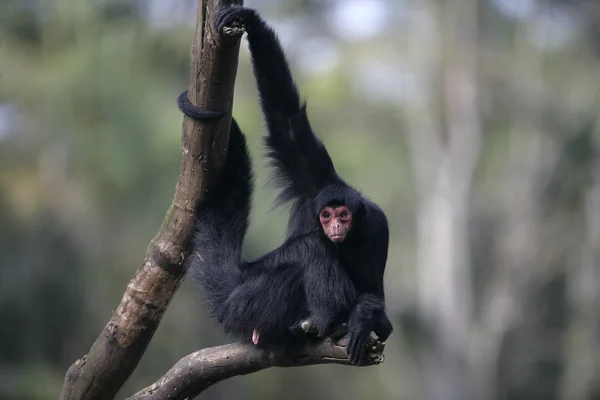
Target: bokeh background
{"points": [[473, 123]]}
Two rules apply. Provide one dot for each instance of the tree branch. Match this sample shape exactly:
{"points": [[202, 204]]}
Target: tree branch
{"points": [[195, 372], [119, 347]]}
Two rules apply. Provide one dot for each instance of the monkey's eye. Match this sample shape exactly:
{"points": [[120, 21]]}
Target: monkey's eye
{"points": [[344, 214], [325, 214]]}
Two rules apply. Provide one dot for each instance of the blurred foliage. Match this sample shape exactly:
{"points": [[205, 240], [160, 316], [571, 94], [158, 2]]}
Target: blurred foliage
{"points": [[89, 157]]}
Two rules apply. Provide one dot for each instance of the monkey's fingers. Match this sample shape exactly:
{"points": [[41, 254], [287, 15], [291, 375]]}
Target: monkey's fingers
{"points": [[359, 352], [375, 351], [377, 346], [377, 358], [236, 29], [356, 348], [231, 20]]}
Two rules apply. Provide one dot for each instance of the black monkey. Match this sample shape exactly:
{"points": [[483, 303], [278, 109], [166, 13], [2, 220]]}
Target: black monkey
{"points": [[331, 266], [322, 201], [264, 299]]}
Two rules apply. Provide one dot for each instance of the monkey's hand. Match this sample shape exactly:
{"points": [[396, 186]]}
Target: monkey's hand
{"points": [[367, 316], [358, 337], [235, 19], [360, 347], [364, 348]]}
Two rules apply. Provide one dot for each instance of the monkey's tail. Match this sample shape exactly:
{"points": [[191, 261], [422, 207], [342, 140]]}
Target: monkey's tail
{"points": [[222, 222]]}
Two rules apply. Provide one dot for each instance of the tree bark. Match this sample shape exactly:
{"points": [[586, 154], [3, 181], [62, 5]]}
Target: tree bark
{"points": [[197, 371], [119, 347]]}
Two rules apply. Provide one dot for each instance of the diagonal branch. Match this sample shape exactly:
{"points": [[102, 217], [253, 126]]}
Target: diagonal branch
{"points": [[121, 344], [195, 372]]}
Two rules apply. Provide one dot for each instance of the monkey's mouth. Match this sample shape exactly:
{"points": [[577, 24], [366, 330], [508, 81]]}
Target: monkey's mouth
{"points": [[337, 238]]}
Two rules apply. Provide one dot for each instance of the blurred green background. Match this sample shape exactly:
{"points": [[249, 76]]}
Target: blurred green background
{"points": [[473, 123]]}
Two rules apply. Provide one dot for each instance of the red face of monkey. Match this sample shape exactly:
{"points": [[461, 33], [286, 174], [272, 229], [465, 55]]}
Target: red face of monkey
{"points": [[336, 222]]}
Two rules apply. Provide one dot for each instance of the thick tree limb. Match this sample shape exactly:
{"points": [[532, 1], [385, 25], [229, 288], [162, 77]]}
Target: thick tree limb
{"points": [[197, 371], [119, 347]]}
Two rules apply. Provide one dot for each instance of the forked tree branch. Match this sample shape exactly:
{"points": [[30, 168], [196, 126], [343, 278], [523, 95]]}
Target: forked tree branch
{"points": [[197, 371], [119, 347], [121, 344]]}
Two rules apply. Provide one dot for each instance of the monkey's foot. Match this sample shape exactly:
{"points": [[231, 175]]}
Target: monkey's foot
{"points": [[308, 326], [305, 326]]}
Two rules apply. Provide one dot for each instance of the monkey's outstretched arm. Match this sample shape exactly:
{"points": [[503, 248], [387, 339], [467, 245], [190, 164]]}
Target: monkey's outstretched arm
{"points": [[302, 164], [369, 313]]}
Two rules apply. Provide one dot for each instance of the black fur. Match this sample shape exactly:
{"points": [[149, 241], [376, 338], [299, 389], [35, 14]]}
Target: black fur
{"points": [[274, 292], [308, 275]]}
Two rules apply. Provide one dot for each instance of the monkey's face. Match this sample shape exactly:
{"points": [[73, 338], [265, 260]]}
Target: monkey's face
{"points": [[336, 222]]}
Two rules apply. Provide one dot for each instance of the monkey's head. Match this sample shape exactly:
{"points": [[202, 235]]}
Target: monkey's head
{"points": [[338, 209], [336, 222]]}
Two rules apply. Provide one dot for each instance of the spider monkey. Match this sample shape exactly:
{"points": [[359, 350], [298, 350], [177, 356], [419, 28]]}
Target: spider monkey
{"points": [[330, 268]]}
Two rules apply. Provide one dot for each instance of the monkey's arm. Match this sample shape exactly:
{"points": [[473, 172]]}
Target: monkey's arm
{"points": [[302, 164], [369, 313], [328, 288]]}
